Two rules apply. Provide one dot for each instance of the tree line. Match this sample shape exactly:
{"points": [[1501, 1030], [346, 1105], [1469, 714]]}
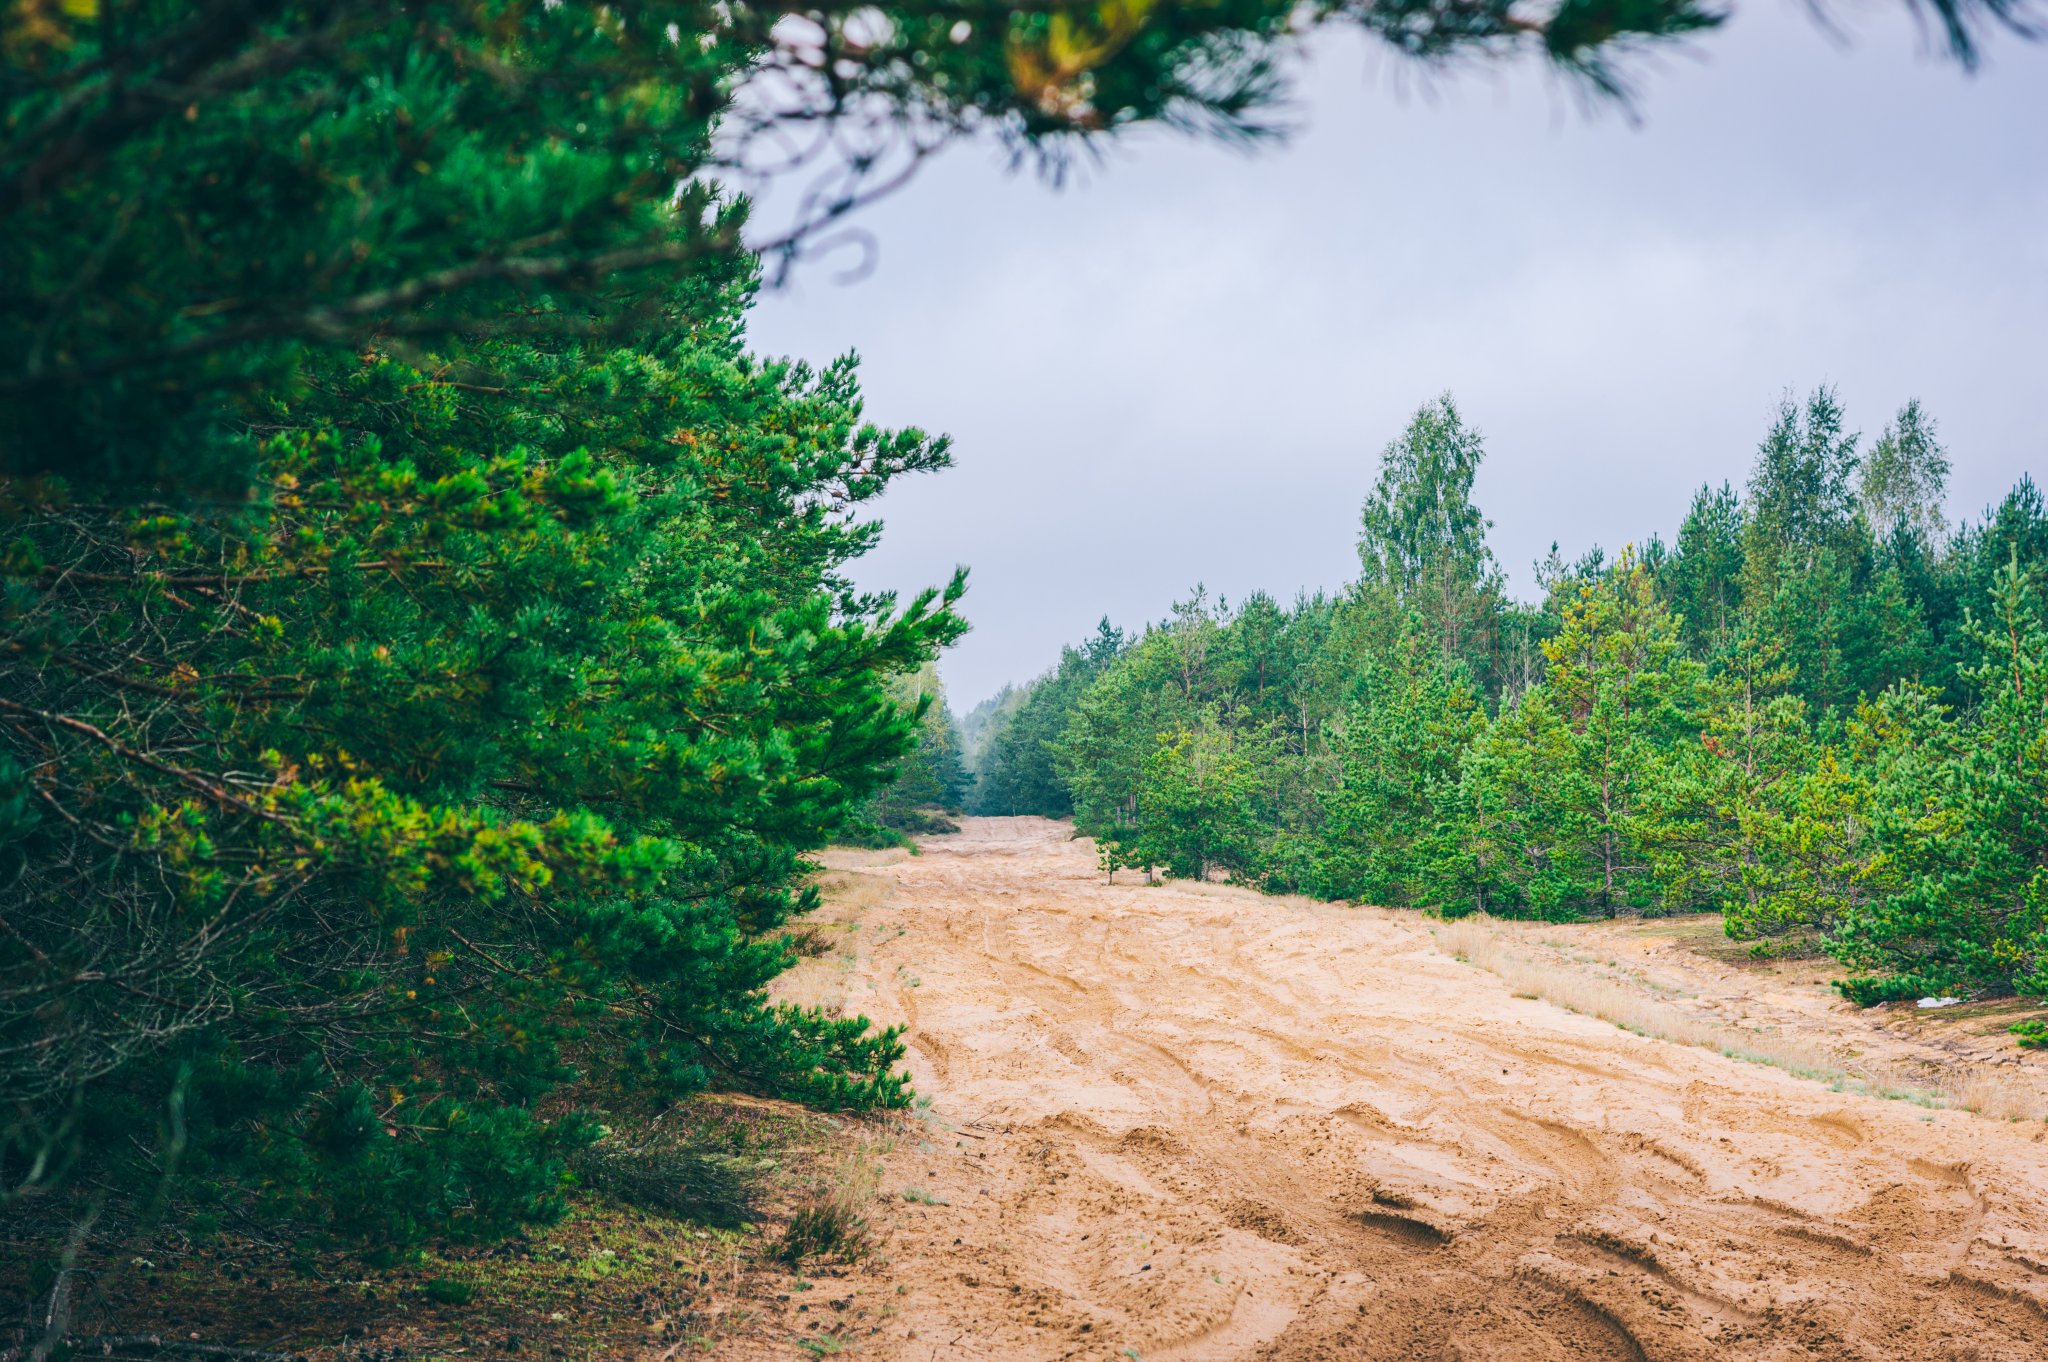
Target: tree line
{"points": [[926, 783], [1821, 711]]}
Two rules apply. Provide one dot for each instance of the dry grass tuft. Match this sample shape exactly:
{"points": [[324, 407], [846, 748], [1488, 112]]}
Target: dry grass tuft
{"points": [[1488, 943], [832, 1221], [669, 1175], [808, 941]]}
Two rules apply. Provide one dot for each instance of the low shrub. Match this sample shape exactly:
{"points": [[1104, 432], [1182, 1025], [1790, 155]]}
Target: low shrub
{"points": [[674, 1178], [1892, 988], [449, 1291]]}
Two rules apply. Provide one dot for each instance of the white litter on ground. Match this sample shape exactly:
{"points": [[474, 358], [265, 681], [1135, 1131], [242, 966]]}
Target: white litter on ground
{"points": [[1939, 1002]]}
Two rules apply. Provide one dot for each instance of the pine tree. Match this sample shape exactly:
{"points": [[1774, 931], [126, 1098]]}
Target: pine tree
{"points": [[1315, 668], [931, 777], [480, 758], [1962, 580], [1522, 827], [1820, 858], [1703, 581], [1885, 636], [1801, 492], [1396, 758], [1620, 678], [1106, 754], [1564, 786], [1754, 743], [1963, 809], [1197, 805], [1256, 656], [1814, 575]]}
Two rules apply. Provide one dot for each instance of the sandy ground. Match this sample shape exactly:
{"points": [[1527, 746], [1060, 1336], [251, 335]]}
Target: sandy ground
{"points": [[1188, 1122]]}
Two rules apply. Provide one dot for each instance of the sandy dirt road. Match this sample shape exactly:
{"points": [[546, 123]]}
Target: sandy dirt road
{"points": [[1188, 1122]]}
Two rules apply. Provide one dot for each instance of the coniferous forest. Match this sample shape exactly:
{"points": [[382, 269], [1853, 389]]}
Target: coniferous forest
{"points": [[1821, 711], [433, 659]]}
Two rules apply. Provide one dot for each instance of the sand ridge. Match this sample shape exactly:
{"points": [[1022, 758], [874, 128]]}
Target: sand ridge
{"points": [[1189, 1122]]}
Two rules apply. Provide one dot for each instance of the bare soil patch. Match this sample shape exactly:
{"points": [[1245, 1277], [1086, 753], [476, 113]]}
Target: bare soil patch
{"points": [[1190, 1122]]}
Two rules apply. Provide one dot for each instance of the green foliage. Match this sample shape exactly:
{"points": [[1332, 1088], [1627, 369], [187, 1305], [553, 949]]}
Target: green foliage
{"points": [[1962, 808], [476, 759], [931, 776], [1397, 752], [448, 1291], [1422, 543], [1619, 695], [1889, 988], [2033, 1033], [1833, 738], [1014, 773], [429, 657], [1801, 492], [1197, 808], [1703, 581], [1714, 806], [1105, 753], [199, 199]]}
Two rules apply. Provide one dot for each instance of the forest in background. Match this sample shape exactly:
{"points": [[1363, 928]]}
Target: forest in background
{"points": [[1821, 711]]}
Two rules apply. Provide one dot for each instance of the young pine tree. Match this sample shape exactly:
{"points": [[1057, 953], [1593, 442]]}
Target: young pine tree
{"points": [[1200, 803], [1105, 753], [1703, 581], [1396, 755], [1564, 787], [1754, 744], [1963, 811]]}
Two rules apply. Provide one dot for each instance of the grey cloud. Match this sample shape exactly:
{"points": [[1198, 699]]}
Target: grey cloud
{"points": [[1183, 368]]}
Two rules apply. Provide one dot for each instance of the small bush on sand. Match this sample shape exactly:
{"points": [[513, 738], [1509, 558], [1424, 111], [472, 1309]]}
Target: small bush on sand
{"points": [[449, 1291], [922, 823]]}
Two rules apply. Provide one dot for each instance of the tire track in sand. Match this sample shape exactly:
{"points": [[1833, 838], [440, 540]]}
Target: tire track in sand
{"points": [[1212, 1125]]}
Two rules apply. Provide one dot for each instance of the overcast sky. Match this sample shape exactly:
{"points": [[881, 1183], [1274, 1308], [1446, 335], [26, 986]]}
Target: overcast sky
{"points": [[1183, 368]]}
